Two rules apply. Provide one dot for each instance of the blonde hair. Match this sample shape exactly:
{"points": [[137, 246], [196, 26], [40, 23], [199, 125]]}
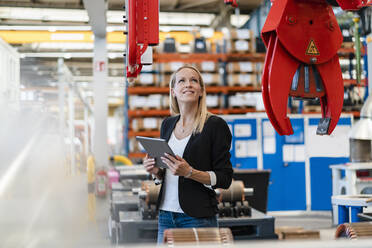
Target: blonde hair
{"points": [[202, 113]]}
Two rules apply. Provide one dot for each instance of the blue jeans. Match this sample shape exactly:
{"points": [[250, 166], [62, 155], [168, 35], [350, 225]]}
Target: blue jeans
{"points": [[180, 220]]}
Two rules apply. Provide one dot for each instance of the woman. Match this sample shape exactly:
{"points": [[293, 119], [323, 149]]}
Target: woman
{"points": [[201, 142]]}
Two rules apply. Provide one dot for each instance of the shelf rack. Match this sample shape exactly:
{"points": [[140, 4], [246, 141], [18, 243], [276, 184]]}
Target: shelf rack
{"points": [[223, 89]]}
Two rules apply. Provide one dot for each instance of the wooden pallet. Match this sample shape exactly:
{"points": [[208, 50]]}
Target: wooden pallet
{"points": [[296, 233]]}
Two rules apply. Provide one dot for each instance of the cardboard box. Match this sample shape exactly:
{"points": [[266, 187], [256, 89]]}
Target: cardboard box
{"points": [[149, 68], [145, 79], [153, 101], [242, 79], [246, 66], [184, 48], [240, 46], [213, 101], [244, 34], [249, 99], [171, 66], [211, 78], [207, 66], [151, 123], [165, 102], [137, 124], [137, 102], [165, 79], [236, 101]]}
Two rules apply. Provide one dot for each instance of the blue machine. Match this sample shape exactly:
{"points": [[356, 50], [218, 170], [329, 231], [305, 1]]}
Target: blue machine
{"points": [[300, 175]]}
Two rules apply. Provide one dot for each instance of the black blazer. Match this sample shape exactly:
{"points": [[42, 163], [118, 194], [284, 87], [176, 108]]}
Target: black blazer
{"points": [[205, 151]]}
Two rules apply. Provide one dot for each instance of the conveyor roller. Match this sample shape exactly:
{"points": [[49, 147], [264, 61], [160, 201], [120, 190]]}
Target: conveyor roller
{"points": [[354, 230], [197, 235]]}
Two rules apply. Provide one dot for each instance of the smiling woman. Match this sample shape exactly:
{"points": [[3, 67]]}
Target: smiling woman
{"points": [[201, 142], [187, 90]]}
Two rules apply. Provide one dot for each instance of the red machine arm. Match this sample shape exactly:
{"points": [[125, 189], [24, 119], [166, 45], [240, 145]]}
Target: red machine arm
{"points": [[302, 39], [143, 31]]}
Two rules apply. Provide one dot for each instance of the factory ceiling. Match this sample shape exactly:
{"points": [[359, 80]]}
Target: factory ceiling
{"points": [[49, 15], [205, 6]]}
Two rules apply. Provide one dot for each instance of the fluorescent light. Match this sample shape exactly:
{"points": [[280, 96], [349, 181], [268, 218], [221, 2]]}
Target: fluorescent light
{"points": [[65, 45], [46, 28], [52, 29], [113, 16], [47, 14]]}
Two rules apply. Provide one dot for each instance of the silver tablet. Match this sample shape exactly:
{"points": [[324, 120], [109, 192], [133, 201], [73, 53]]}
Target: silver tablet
{"points": [[156, 148]]}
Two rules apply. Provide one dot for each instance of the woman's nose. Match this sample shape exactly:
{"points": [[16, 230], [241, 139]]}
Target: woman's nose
{"points": [[188, 83]]}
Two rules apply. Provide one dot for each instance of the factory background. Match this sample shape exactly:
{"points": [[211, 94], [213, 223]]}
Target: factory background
{"points": [[71, 172]]}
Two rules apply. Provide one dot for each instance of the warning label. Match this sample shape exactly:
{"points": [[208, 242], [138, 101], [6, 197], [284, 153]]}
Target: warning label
{"points": [[312, 49]]}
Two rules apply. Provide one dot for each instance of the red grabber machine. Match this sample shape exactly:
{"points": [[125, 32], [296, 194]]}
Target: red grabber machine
{"points": [[231, 2], [302, 38], [142, 22]]}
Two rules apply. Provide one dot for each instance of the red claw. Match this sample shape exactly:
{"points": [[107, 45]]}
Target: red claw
{"points": [[302, 62]]}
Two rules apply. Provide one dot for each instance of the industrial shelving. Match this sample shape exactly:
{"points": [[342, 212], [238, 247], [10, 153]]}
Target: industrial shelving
{"points": [[220, 89]]}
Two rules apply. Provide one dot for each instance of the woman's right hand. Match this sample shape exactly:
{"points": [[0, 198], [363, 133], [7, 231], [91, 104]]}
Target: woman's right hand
{"points": [[149, 164]]}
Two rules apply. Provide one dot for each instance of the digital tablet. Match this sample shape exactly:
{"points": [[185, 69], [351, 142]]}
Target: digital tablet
{"points": [[156, 148]]}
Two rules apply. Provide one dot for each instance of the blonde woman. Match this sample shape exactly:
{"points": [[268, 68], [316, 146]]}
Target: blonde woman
{"points": [[201, 142]]}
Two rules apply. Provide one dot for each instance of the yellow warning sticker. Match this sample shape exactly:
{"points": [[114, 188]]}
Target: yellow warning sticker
{"points": [[312, 49]]}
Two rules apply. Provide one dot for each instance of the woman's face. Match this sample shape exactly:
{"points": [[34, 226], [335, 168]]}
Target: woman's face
{"points": [[187, 86]]}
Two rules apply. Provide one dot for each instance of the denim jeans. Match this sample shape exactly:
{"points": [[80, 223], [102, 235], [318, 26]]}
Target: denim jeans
{"points": [[180, 220]]}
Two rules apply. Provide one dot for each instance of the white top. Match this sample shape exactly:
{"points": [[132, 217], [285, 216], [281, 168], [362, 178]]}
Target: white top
{"points": [[169, 200]]}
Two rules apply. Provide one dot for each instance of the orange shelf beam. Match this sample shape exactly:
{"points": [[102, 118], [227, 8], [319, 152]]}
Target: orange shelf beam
{"points": [[254, 57], [136, 155], [343, 51], [187, 57], [139, 90], [242, 89], [149, 133], [348, 82], [149, 112], [165, 112], [200, 57], [233, 111]]}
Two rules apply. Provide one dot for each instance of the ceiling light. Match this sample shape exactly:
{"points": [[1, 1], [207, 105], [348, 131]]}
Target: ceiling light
{"points": [[52, 29]]}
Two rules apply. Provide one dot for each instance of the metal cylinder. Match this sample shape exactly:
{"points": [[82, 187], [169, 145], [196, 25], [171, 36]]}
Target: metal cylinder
{"points": [[234, 193], [360, 150], [195, 236], [354, 230], [152, 191]]}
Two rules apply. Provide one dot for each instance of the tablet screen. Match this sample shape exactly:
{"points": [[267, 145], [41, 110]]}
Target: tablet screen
{"points": [[156, 148]]}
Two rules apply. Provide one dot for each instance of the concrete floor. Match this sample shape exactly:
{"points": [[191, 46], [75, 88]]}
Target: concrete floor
{"points": [[42, 204], [321, 221]]}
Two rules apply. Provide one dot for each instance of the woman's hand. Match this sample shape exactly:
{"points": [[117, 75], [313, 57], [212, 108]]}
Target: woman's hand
{"points": [[177, 165], [149, 164]]}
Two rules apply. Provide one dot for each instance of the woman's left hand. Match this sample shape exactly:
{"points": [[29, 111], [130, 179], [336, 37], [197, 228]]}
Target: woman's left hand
{"points": [[177, 165]]}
